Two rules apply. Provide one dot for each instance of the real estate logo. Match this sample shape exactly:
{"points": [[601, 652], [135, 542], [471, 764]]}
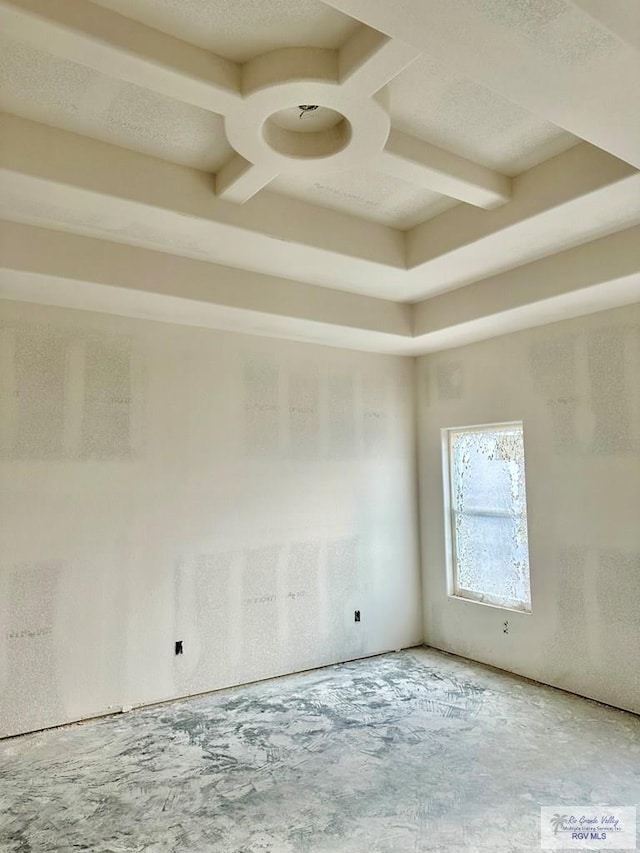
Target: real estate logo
{"points": [[588, 828]]}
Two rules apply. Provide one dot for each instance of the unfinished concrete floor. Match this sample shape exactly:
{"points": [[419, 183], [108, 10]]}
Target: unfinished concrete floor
{"points": [[414, 751]]}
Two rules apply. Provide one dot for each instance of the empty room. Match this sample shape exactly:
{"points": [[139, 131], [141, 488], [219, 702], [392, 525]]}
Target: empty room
{"points": [[319, 426]]}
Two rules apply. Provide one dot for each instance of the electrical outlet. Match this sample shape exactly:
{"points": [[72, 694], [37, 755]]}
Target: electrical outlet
{"points": [[357, 615], [179, 648]]}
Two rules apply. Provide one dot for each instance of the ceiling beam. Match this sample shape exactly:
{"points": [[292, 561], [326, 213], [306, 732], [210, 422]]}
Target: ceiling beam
{"points": [[122, 48], [593, 92], [433, 168], [596, 276], [566, 306], [239, 180], [69, 182], [369, 60], [575, 197], [54, 268], [66, 181]]}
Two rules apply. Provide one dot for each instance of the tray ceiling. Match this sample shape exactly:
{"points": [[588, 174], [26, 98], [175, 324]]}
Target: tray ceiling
{"points": [[455, 140], [242, 29]]}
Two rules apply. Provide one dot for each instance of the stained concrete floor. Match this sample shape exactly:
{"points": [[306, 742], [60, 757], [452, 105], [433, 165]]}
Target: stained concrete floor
{"points": [[415, 751]]}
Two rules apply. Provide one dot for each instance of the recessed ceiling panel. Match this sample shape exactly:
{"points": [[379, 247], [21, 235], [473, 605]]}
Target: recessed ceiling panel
{"points": [[555, 27], [470, 120], [241, 29], [420, 119], [368, 195], [44, 88]]}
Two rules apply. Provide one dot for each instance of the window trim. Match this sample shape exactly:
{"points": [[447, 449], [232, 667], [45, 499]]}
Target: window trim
{"points": [[453, 590]]}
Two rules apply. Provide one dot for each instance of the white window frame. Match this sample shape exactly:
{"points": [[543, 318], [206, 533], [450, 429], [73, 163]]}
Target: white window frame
{"points": [[453, 590]]}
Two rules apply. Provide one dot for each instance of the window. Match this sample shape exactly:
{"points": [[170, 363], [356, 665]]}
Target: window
{"points": [[486, 503]]}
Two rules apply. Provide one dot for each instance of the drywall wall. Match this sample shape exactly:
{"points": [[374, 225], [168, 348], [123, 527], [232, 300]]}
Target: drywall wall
{"points": [[576, 387], [162, 483]]}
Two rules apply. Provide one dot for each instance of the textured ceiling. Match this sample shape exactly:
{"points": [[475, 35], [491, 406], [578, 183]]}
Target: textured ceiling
{"points": [[448, 111], [415, 200], [241, 29], [430, 101], [369, 195], [44, 88], [554, 27]]}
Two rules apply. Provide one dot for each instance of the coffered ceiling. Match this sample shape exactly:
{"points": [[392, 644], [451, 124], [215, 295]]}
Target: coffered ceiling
{"points": [[471, 167]]}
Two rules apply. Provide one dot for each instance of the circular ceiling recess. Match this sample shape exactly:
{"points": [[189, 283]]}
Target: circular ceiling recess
{"points": [[296, 116], [306, 118], [320, 133]]}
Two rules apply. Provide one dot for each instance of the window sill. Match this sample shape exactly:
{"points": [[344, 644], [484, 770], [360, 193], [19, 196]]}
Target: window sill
{"points": [[510, 609]]}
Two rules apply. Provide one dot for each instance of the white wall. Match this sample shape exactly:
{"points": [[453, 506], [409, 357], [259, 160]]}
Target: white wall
{"points": [[162, 483], [576, 387], [246, 495]]}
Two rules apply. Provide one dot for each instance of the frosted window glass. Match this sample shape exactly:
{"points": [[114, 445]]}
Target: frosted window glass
{"points": [[488, 506]]}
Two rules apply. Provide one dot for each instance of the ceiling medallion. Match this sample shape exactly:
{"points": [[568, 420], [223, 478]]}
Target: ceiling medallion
{"points": [[342, 126]]}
